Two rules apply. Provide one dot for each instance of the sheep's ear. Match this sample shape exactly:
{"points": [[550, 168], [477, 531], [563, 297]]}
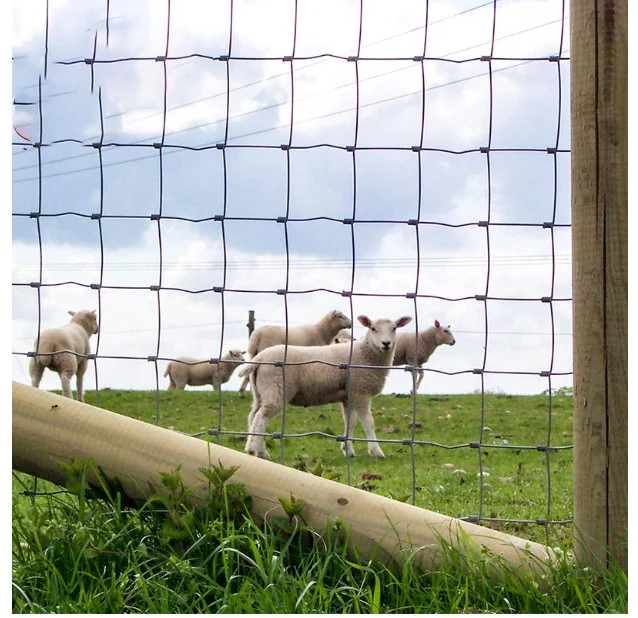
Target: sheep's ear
{"points": [[364, 320], [71, 313], [437, 324], [406, 319]]}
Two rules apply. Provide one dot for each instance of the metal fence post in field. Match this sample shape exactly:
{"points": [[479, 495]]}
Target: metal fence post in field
{"points": [[599, 244]]}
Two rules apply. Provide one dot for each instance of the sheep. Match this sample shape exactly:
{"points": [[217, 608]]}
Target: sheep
{"points": [[185, 370], [321, 333], [64, 350], [409, 352], [344, 335], [320, 375]]}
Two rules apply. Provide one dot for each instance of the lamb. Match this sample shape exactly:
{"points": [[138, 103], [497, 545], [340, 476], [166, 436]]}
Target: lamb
{"points": [[64, 350], [409, 352], [321, 333], [319, 375], [344, 335], [194, 372]]}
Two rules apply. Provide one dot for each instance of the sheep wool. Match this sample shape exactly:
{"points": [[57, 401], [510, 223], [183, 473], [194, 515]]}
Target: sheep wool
{"points": [[64, 350], [345, 334], [349, 373], [416, 348], [321, 333], [185, 370]]}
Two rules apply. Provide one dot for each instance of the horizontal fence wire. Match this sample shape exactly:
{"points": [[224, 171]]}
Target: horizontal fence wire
{"points": [[160, 148]]}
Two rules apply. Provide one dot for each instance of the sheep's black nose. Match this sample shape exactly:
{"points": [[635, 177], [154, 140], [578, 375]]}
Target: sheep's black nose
{"points": [[385, 344]]}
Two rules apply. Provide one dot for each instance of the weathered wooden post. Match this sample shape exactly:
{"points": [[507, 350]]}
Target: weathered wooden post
{"points": [[599, 245]]}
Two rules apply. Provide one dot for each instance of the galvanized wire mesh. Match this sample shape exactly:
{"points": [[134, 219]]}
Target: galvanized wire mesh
{"points": [[354, 149]]}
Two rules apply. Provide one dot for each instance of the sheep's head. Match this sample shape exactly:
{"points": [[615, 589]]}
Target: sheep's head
{"points": [[237, 355], [343, 336], [87, 319], [382, 333], [340, 320], [443, 334]]}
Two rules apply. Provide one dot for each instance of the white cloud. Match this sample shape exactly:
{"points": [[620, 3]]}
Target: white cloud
{"points": [[187, 315]]}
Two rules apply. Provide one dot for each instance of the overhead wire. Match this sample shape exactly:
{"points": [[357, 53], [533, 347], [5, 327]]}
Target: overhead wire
{"points": [[308, 264], [276, 105]]}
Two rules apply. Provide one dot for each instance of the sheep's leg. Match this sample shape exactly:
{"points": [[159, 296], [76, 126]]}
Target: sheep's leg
{"points": [[417, 376], [256, 398], [251, 414], [216, 380], [413, 378], [79, 380], [349, 419], [256, 404], [242, 388], [36, 370], [365, 416], [255, 444], [65, 379]]}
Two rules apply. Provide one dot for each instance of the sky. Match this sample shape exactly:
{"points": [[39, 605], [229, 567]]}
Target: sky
{"points": [[174, 245]]}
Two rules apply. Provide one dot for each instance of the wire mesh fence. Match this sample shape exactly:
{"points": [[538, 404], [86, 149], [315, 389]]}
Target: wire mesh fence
{"points": [[179, 165]]}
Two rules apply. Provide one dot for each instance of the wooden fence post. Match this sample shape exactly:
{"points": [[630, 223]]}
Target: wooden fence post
{"points": [[599, 145]]}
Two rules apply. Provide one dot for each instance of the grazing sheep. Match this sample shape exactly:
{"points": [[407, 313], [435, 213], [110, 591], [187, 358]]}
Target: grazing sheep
{"points": [[409, 352], [196, 372], [64, 351], [311, 383], [344, 335], [321, 333]]}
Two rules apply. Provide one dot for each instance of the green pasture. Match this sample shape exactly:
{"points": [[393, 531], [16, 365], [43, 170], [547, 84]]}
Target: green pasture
{"points": [[491, 456]]}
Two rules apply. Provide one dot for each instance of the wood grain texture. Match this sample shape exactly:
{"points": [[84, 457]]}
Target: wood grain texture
{"points": [[599, 257]]}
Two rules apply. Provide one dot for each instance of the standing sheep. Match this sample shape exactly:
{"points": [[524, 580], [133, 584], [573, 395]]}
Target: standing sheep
{"points": [[321, 333], [64, 350], [194, 372], [348, 373], [413, 350]]}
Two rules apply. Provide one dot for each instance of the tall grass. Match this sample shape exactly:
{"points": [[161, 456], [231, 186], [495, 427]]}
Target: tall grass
{"points": [[89, 552], [431, 445], [79, 553]]}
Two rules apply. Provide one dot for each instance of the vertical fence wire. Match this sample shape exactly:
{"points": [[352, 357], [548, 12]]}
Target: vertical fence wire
{"points": [[98, 217], [356, 218]]}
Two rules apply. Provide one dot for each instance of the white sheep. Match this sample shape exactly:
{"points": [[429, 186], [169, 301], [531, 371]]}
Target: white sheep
{"points": [[344, 335], [185, 370], [320, 375], [64, 350], [321, 333], [415, 351]]}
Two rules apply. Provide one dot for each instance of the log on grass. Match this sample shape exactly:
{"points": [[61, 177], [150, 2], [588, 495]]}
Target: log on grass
{"points": [[49, 429]]}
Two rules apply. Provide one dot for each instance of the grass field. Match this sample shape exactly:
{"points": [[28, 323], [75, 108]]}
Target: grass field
{"points": [[75, 555], [507, 478]]}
